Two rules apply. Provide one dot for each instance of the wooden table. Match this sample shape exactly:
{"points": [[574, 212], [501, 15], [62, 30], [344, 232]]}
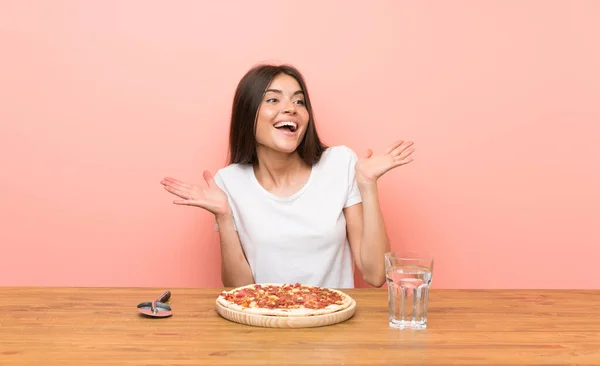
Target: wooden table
{"points": [[91, 326]]}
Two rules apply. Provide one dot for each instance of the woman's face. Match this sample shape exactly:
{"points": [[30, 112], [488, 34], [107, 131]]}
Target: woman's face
{"points": [[282, 115]]}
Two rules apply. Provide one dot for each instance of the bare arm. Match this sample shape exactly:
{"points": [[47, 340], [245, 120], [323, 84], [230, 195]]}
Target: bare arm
{"points": [[365, 226], [367, 236], [235, 270]]}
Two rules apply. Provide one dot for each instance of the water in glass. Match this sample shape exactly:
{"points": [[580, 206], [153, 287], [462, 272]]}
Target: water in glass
{"points": [[408, 294]]}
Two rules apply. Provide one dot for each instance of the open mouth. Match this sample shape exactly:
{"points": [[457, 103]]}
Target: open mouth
{"points": [[286, 125]]}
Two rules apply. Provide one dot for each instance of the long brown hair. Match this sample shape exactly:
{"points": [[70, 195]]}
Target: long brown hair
{"points": [[246, 102]]}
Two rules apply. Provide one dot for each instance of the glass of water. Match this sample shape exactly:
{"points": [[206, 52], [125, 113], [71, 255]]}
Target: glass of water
{"points": [[408, 278]]}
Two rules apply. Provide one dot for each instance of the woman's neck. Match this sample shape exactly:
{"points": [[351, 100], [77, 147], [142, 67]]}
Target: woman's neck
{"points": [[281, 172]]}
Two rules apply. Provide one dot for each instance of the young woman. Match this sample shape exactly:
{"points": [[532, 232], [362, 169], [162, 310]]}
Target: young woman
{"points": [[288, 208]]}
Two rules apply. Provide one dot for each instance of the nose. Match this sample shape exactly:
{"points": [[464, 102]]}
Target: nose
{"points": [[289, 107]]}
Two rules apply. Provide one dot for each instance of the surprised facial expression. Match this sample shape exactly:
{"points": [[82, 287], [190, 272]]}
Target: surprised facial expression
{"points": [[282, 116]]}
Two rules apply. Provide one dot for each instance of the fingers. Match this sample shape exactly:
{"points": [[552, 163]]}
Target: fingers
{"points": [[187, 203], [402, 156], [406, 153], [178, 192], [168, 181], [399, 162], [369, 153], [172, 180], [196, 203], [209, 179], [398, 150], [393, 146], [402, 152]]}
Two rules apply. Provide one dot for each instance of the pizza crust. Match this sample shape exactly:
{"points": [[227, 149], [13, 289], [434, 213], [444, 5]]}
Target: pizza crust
{"points": [[297, 312]]}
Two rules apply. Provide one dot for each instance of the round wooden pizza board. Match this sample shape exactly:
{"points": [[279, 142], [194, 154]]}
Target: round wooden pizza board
{"points": [[286, 321]]}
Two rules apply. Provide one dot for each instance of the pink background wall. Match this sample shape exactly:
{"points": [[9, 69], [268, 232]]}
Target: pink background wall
{"points": [[101, 99]]}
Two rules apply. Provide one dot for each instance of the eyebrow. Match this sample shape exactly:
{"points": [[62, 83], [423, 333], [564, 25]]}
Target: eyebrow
{"points": [[280, 92]]}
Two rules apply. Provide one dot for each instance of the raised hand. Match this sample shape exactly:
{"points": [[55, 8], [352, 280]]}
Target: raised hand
{"points": [[371, 167], [212, 198]]}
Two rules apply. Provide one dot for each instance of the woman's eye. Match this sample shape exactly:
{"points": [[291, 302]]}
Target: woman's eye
{"points": [[271, 100], [301, 102]]}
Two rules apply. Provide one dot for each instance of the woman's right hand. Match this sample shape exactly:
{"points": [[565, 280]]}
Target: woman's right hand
{"points": [[211, 198]]}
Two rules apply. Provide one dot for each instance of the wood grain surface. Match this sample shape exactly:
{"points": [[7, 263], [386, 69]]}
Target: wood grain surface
{"points": [[101, 326]]}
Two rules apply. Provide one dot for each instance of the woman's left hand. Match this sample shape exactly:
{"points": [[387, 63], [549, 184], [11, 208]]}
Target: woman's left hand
{"points": [[371, 167]]}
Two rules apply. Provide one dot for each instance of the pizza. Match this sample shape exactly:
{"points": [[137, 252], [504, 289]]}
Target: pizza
{"points": [[284, 300]]}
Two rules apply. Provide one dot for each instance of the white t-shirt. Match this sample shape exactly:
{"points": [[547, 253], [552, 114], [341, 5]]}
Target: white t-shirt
{"points": [[301, 238]]}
